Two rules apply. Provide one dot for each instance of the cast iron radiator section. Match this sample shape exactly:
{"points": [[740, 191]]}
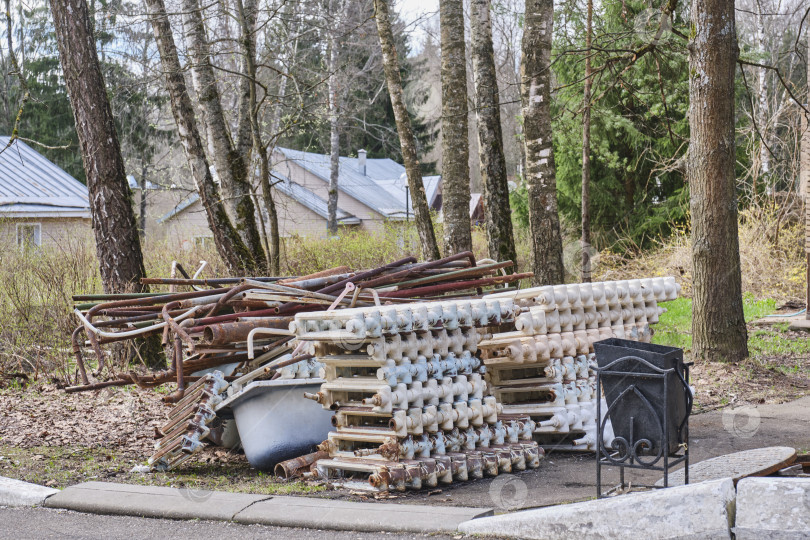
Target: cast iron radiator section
{"points": [[544, 367], [412, 407]]}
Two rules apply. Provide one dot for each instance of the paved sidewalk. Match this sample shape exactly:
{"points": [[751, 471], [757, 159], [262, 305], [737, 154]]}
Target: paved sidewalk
{"points": [[164, 502]]}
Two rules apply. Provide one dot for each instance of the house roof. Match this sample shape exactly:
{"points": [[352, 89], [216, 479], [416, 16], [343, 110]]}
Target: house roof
{"points": [[182, 205], [134, 184], [310, 200], [295, 191], [380, 173], [32, 186]]}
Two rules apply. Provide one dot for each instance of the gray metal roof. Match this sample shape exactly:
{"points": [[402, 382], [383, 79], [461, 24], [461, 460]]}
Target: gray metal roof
{"points": [[310, 200], [182, 205], [380, 173], [295, 191], [30, 185]]}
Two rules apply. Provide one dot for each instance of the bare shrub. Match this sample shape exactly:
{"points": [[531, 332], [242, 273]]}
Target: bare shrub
{"points": [[769, 270]]}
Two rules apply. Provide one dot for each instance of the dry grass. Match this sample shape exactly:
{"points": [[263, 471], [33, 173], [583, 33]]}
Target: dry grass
{"points": [[769, 269]]}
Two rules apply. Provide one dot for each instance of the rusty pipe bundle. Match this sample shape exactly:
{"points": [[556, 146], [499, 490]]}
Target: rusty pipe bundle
{"points": [[218, 316]]}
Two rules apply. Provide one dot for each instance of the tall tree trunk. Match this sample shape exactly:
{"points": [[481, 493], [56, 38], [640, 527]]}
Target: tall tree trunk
{"points": [[804, 177], [229, 244], [718, 325], [762, 89], [332, 57], [117, 242], [272, 213], [497, 212], [334, 136], [275, 119], [142, 202], [455, 145], [407, 140], [541, 184], [247, 20], [586, 151], [231, 165]]}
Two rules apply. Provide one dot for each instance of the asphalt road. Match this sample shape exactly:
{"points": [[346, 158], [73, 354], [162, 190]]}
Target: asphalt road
{"points": [[39, 523]]}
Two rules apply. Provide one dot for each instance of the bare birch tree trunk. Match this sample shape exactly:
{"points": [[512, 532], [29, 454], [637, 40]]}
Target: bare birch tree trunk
{"points": [[142, 201], [541, 184], [247, 20], [804, 189], [407, 140], [118, 244], [497, 211], [586, 151], [228, 242], [762, 89], [718, 325], [455, 145], [332, 55], [231, 166]]}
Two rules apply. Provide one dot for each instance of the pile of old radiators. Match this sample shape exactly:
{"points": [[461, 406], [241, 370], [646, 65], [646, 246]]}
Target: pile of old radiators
{"points": [[544, 367], [411, 405], [240, 326]]}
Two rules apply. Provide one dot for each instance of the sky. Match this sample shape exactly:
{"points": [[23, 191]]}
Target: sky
{"points": [[415, 13]]}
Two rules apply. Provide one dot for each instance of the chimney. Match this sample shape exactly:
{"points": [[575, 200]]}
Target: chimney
{"points": [[361, 161]]}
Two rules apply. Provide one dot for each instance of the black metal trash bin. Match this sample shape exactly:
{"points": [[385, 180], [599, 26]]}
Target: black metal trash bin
{"points": [[631, 373]]}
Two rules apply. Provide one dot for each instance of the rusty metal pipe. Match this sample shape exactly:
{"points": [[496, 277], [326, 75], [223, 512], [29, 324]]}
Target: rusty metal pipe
{"points": [[225, 333], [448, 276], [459, 285], [292, 467], [215, 282], [366, 275], [77, 351], [224, 299], [322, 274], [392, 278], [172, 323], [317, 283]]}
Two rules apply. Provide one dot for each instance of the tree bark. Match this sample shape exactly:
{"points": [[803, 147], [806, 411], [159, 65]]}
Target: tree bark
{"points": [[718, 325], [230, 246], [804, 178], [455, 145], [541, 184], [407, 140], [142, 202], [231, 165], [586, 151], [762, 109], [247, 19], [497, 211], [334, 134], [118, 244]]}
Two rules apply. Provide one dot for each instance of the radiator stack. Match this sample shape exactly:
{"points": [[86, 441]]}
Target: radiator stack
{"points": [[411, 404], [543, 367]]}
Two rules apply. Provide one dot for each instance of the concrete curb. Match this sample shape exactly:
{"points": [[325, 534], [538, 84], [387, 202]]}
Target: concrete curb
{"points": [[773, 509], [311, 513], [18, 493], [152, 501], [695, 511], [304, 512]]}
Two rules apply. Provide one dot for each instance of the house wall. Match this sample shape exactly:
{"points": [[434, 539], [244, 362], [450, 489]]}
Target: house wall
{"points": [[370, 219], [55, 232], [160, 202], [294, 218]]}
